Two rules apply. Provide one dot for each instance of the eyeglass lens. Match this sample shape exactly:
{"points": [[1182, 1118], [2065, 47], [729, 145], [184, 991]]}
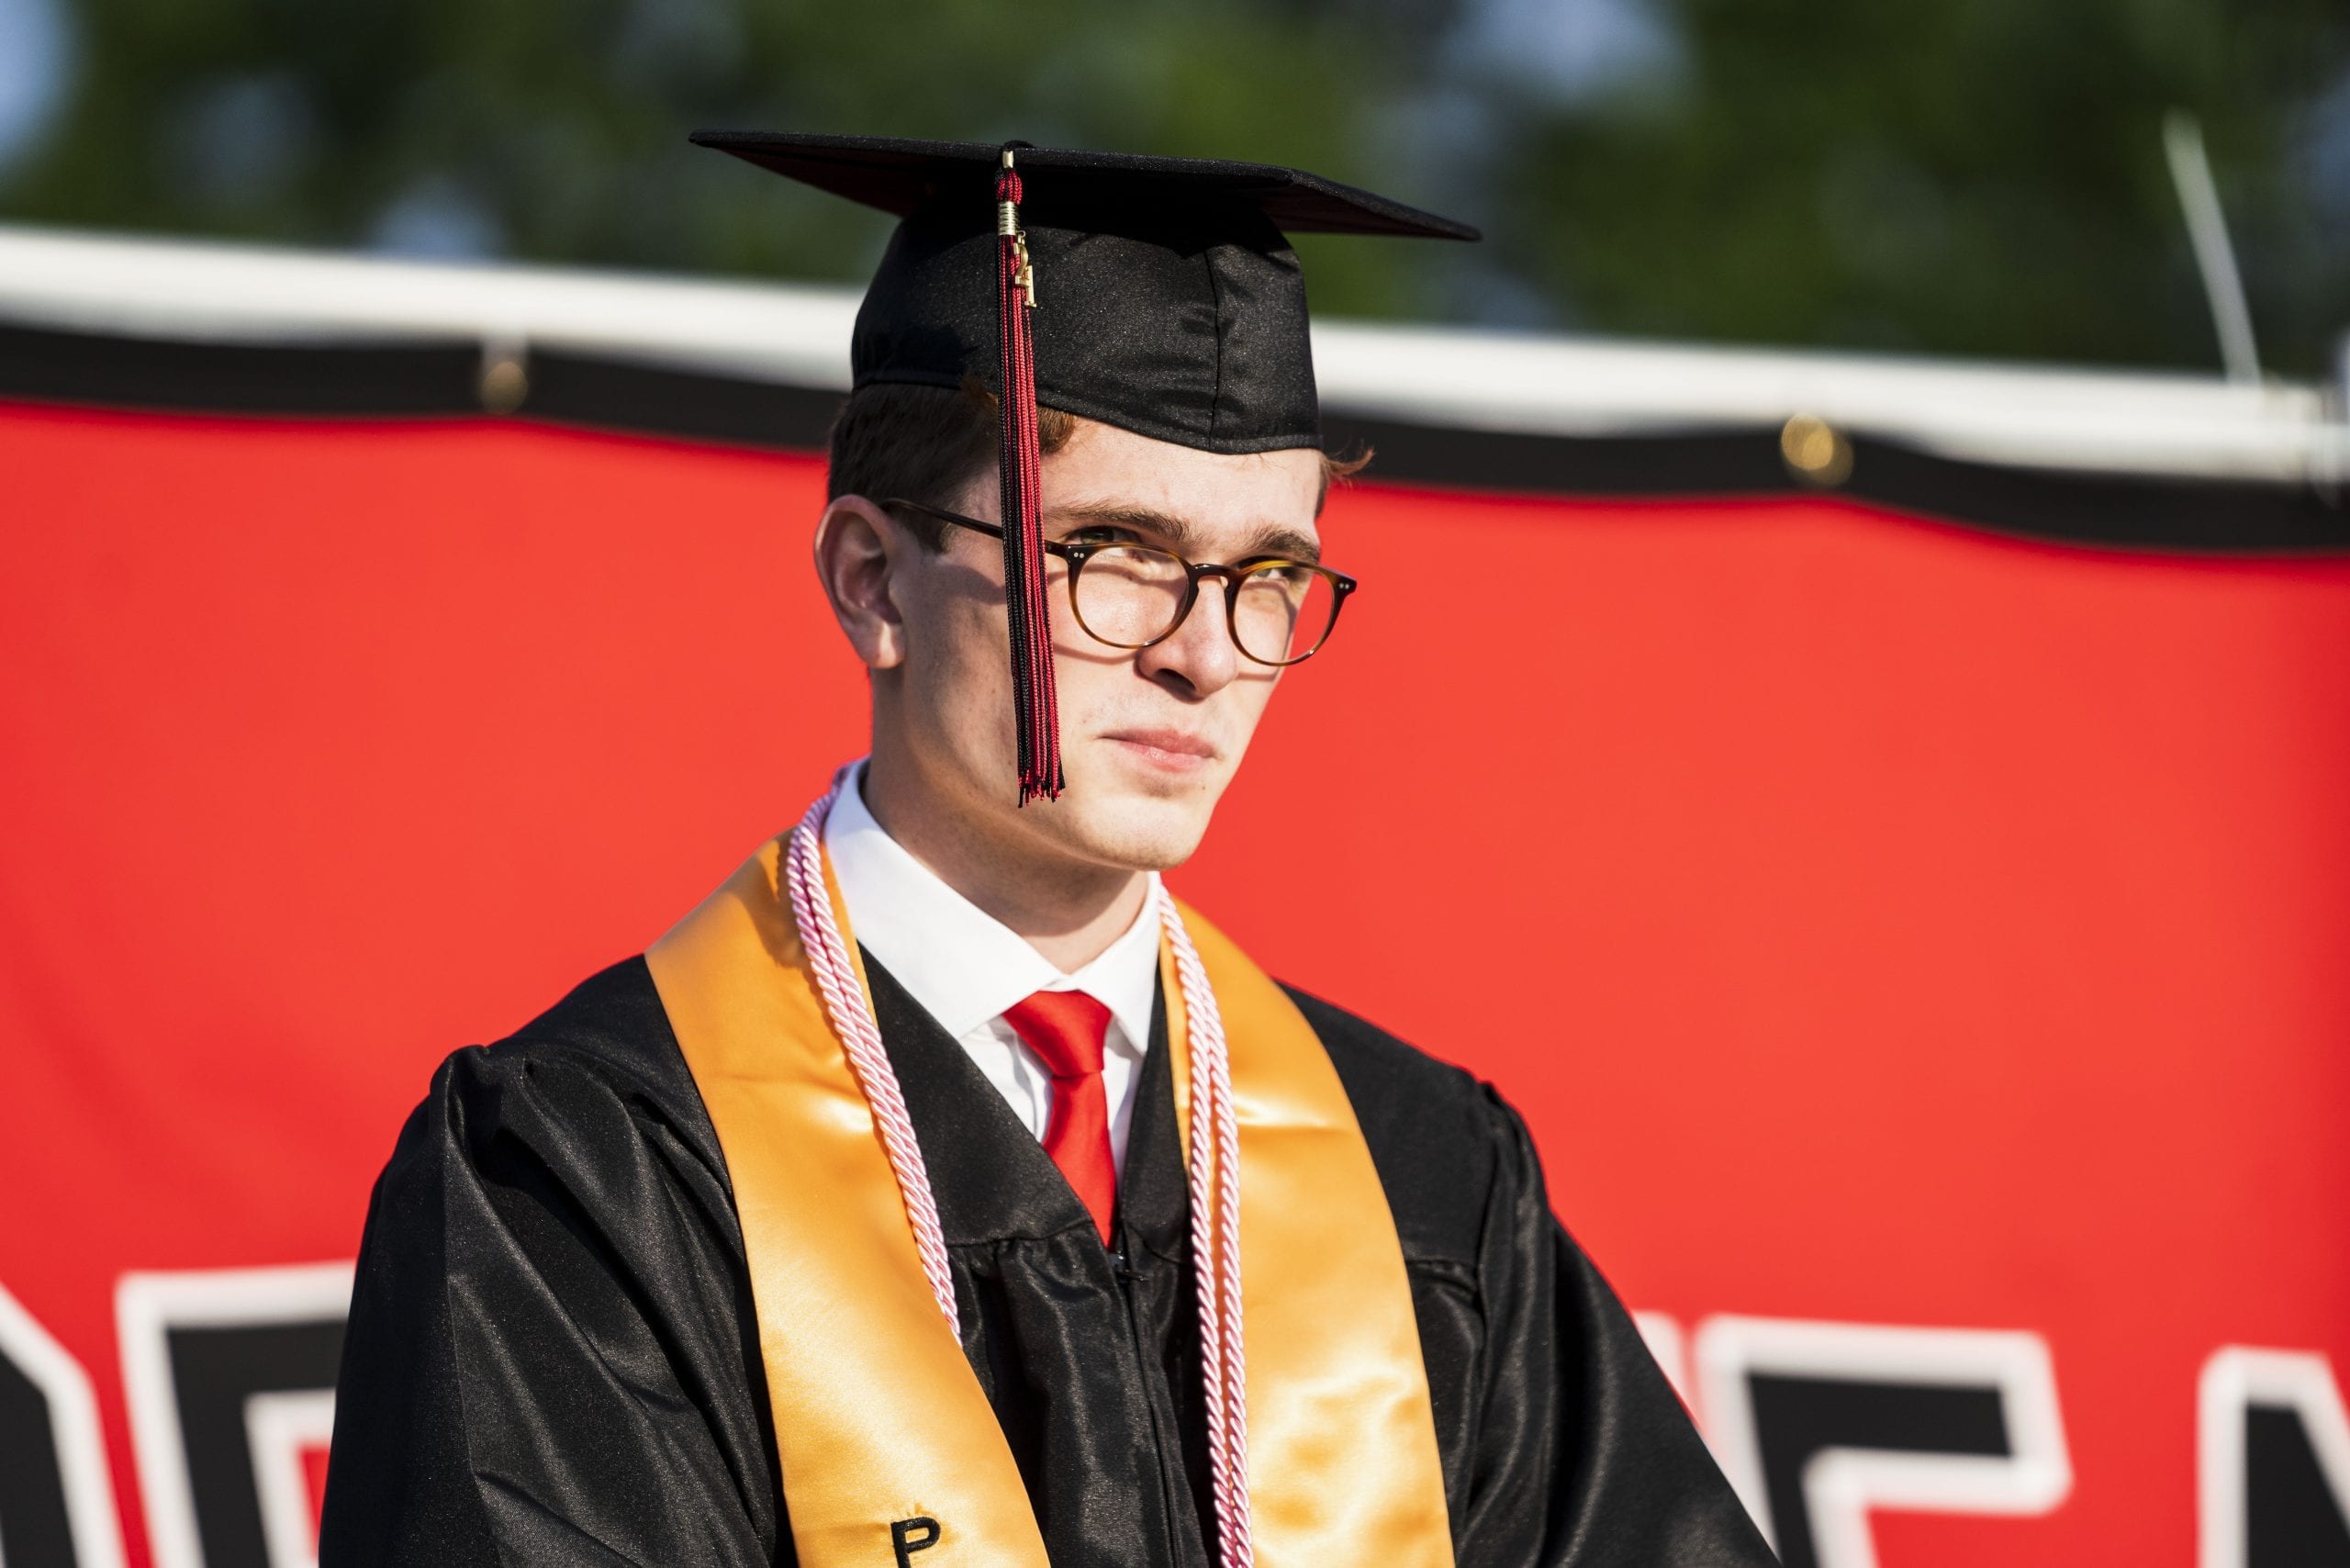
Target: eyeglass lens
{"points": [[1131, 595]]}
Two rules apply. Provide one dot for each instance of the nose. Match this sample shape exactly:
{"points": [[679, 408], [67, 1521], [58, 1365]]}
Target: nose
{"points": [[1199, 660]]}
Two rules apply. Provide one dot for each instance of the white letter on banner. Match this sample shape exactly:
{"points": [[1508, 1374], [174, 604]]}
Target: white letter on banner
{"points": [[1817, 1423], [61, 1511]]}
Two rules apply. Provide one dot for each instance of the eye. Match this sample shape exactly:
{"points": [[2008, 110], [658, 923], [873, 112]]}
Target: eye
{"points": [[1101, 534]]}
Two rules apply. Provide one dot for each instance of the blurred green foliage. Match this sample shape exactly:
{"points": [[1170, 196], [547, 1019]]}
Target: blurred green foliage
{"points": [[1970, 177]]}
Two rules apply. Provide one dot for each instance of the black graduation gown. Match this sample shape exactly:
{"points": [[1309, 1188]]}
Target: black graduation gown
{"points": [[552, 1356]]}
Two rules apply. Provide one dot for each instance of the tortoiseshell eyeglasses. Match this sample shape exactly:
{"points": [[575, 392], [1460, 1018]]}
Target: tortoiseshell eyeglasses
{"points": [[1131, 595]]}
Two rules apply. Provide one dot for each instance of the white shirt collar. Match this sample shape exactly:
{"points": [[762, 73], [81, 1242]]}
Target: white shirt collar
{"points": [[964, 966]]}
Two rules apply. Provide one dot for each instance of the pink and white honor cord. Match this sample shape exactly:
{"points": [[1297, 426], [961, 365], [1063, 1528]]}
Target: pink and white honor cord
{"points": [[1214, 1157]]}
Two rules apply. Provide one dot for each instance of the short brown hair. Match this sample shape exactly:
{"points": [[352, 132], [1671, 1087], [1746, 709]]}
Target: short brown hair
{"points": [[927, 443]]}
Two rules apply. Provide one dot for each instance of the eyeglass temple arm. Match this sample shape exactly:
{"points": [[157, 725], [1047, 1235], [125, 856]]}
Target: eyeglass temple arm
{"points": [[991, 529]]}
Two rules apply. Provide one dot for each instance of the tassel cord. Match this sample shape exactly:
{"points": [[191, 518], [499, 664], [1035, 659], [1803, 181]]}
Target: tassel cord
{"points": [[1020, 464]]}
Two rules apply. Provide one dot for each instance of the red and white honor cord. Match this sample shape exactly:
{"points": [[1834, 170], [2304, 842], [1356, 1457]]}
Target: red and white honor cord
{"points": [[851, 1016], [1215, 1253], [1215, 1173]]}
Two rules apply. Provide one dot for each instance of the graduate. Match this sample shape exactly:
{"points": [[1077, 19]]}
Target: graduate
{"points": [[941, 1192]]}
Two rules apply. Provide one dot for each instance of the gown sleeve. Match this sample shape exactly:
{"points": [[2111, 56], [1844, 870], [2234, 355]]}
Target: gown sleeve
{"points": [[548, 1359], [1584, 1456]]}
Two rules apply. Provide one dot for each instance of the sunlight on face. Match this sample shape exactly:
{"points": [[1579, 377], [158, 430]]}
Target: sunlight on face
{"points": [[1150, 737]]}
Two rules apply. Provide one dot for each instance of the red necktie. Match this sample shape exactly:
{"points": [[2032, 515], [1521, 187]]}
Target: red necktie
{"points": [[1066, 1029]]}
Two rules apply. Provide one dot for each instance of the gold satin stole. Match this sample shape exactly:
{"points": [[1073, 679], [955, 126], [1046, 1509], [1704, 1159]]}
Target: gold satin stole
{"points": [[888, 1444]]}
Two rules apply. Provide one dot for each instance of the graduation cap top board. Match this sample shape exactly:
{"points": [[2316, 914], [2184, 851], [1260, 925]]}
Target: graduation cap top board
{"points": [[1160, 295]]}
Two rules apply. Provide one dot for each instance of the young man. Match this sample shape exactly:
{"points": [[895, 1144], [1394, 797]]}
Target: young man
{"points": [[939, 1193]]}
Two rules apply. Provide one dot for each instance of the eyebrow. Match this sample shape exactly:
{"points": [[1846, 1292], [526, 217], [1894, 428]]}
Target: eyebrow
{"points": [[1287, 543]]}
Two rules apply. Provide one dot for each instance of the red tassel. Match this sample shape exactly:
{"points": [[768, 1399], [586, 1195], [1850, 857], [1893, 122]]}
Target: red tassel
{"points": [[1036, 708]]}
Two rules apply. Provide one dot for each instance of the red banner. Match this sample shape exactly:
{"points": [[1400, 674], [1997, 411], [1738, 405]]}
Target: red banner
{"points": [[1919, 954]]}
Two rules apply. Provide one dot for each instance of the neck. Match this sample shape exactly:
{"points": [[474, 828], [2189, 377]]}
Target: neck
{"points": [[1070, 911]]}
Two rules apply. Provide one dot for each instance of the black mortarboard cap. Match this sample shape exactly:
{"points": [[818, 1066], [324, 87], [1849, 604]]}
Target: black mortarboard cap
{"points": [[1160, 295], [1169, 300]]}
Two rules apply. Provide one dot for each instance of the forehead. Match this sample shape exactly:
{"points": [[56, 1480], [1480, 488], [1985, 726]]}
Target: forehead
{"points": [[1217, 493]]}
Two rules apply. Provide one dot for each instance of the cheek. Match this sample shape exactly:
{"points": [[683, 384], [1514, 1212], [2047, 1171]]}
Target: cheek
{"points": [[959, 669]]}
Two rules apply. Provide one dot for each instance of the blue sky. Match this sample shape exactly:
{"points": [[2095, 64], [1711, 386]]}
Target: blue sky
{"points": [[36, 51]]}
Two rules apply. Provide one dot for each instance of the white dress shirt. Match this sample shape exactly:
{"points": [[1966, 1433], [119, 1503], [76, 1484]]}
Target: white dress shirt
{"points": [[965, 968]]}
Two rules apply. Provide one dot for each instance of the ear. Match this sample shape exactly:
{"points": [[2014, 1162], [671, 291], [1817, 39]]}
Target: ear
{"points": [[860, 552]]}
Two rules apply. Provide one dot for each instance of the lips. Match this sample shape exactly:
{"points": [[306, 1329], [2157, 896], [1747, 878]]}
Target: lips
{"points": [[1173, 744]]}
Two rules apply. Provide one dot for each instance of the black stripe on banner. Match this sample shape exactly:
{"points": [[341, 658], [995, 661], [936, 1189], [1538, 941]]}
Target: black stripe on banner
{"points": [[2124, 510], [656, 400], [342, 378], [2120, 510]]}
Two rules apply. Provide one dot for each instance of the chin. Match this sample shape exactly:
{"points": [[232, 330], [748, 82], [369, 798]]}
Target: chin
{"points": [[1138, 831]]}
